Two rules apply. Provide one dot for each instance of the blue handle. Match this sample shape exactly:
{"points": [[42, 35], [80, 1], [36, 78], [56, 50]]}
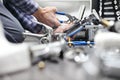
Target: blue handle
{"points": [[81, 43], [76, 31], [61, 13], [61, 21]]}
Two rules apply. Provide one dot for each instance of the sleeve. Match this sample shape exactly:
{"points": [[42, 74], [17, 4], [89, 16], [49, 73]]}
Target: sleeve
{"points": [[27, 6]]}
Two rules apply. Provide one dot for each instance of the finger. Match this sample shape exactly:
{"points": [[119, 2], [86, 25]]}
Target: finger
{"points": [[54, 9], [58, 31], [49, 23], [56, 22]]}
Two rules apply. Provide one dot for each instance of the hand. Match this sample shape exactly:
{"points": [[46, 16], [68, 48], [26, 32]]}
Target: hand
{"points": [[63, 28], [47, 16]]}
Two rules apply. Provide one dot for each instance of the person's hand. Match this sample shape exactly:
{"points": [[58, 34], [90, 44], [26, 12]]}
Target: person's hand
{"points": [[63, 27], [47, 16]]}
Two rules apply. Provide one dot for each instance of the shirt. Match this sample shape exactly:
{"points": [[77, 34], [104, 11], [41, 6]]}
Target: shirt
{"points": [[23, 10]]}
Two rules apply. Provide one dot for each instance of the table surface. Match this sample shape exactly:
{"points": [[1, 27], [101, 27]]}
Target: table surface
{"points": [[64, 70]]}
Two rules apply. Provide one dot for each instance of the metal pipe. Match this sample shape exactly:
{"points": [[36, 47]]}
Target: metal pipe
{"points": [[34, 35], [76, 31], [51, 48]]}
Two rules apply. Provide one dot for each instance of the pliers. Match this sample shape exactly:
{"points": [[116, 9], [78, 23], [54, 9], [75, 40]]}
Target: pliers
{"points": [[70, 18]]}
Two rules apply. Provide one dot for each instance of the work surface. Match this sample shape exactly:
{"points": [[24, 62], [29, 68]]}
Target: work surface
{"points": [[64, 70]]}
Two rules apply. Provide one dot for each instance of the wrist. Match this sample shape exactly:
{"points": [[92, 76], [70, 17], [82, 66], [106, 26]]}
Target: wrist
{"points": [[38, 12]]}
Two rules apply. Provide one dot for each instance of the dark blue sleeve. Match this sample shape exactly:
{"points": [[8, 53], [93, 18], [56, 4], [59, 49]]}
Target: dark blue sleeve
{"points": [[27, 6]]}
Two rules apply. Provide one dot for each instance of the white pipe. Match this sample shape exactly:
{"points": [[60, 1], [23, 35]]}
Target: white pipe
{"points": [[107, 40]]}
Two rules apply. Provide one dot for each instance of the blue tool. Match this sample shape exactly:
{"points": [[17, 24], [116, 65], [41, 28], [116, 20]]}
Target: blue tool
{"points": [[61, 13], [80, 43], [70, 18], [80, 28], [76, 31]]}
